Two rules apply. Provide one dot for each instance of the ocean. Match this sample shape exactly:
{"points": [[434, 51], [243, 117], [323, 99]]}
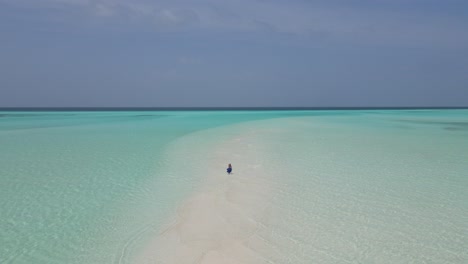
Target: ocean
{"points": [[308, 186]]}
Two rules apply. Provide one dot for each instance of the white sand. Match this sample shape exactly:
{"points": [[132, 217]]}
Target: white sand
{"points": [[218, 224]]}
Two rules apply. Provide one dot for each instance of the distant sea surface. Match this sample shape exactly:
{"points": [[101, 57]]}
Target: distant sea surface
{"points": [[349, 186]]}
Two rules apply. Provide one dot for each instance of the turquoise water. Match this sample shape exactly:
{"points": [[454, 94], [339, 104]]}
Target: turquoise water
{"points": [[350, 186]]}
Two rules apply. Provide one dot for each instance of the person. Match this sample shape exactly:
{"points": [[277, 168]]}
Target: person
{"points": [[229, 169]]}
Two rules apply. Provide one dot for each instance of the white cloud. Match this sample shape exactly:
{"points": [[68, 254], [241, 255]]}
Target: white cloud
{"points": [[293, 17], [104, 10]]}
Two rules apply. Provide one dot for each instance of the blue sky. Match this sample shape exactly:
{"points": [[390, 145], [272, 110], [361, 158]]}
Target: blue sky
{"points": [[233, 53]]}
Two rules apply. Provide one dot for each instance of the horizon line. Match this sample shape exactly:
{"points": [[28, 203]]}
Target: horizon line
{"points": [[246, 108]]}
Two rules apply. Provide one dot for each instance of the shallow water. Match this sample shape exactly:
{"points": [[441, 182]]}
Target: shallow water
{"points": [[371, 193], [343, 186]]}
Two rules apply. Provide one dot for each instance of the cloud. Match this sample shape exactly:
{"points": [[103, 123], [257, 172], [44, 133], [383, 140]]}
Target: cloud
{"points": [[104, 10], [344, 21]]}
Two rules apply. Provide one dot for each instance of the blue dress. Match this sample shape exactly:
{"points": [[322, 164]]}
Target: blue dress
{"points": [[229, 170]]}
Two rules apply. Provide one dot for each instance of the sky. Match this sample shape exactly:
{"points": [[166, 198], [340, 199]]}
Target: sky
{"points": [[233, 53]]}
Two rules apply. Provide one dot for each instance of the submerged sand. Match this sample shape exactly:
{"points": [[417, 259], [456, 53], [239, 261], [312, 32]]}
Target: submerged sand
{"points": [[308, 192], [218, 223]]}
